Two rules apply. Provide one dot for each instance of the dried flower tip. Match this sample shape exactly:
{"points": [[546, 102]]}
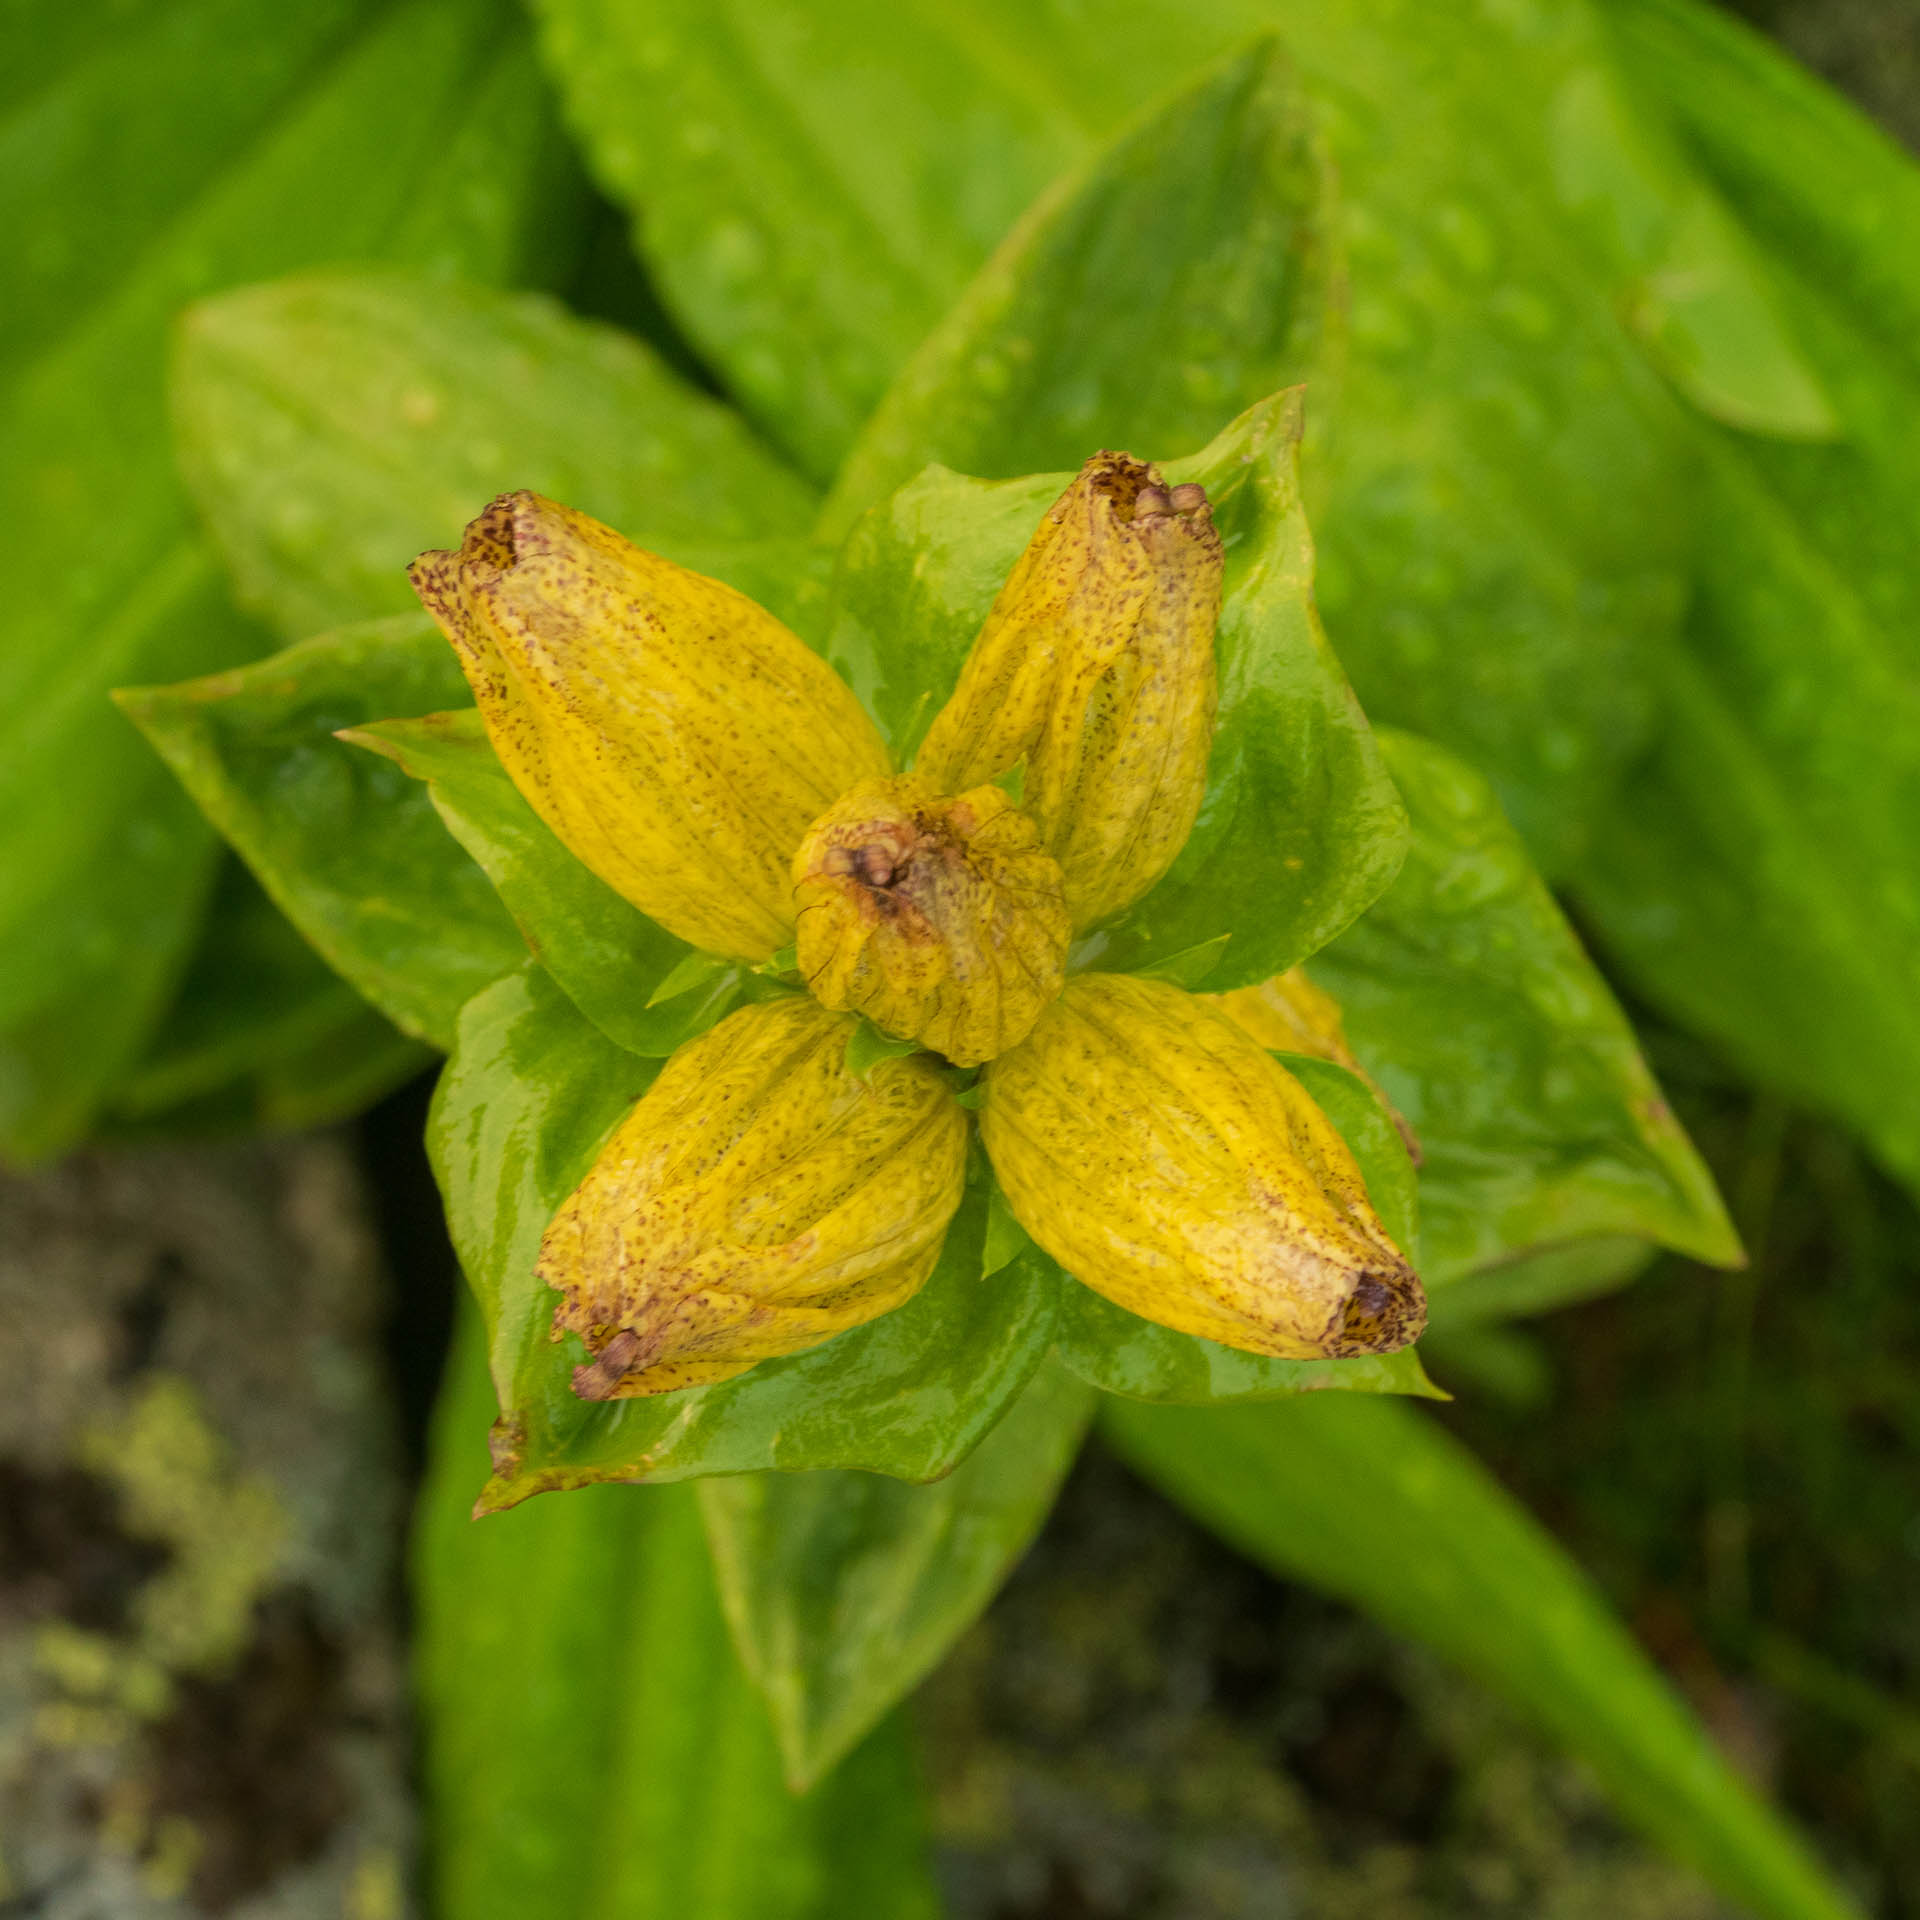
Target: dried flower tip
{"points": [[1171, 1164], [674, 735], [939, 919], [758, 1200], [1096, 668]]}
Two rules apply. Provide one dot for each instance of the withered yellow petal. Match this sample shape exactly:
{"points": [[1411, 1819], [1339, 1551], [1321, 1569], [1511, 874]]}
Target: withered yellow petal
{"points": [[758, 1200], [1291, 1015], [1095, 668], [938, 918], [674, 735], [1170, 1163]]}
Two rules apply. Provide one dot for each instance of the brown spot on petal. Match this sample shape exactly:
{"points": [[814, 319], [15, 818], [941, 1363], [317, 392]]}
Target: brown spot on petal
{"points": [[1386, 1311]]}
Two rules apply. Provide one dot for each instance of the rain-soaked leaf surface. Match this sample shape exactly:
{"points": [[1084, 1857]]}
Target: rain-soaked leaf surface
{"points": [[591, 1743], [531, 1092], [335, 425], [347, 846], [1469, 998], [263, 1035], [1757, 879], [844, 1589], [192, 147], [1497, 483]]}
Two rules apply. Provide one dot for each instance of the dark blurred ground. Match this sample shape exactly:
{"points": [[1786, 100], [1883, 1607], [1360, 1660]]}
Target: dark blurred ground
{"points": [[1867, 48]]}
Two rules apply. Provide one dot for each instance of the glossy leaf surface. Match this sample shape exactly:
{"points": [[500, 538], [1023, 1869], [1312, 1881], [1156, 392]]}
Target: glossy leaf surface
{"points": [[591, 1742], [1757, 880], [191, 147], [843, 1589], [529, 1095], [1216, 217], [1299, 809], [334, 426], [348, 847], [1122, 1353], [1500, 512], [607, 956], [1375, 1503], [263, 1034], [1470, 1000]]}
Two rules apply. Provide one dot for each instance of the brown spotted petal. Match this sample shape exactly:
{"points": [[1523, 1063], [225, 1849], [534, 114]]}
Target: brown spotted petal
{"points": [[1095, 669], [1170, 1163], [758, 1200], [1289, 1014], [674, 735], [940, 919]]}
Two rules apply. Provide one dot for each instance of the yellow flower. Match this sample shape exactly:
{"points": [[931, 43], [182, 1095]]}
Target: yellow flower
{"points": [[675, 736], [1289, 1014], [758, 1200], [1095, 673], [1155, 1150], [940, 920], [763, 1196]]}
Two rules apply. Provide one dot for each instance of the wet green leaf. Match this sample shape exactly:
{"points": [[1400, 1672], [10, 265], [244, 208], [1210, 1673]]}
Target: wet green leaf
{"points": [[263, 1035], [1501, 504], [1470, 1000], [1757, 880], [1301, 826], [193, 146], [529, 1095], [591, 1743], [810, 185], [1214, 221], [1122, 1353], [1375, 1503], [844, 1589], [336, 425], [607, 956], [348, 847]]}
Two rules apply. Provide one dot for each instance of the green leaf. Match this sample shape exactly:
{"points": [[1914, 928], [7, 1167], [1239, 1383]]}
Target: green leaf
{"points": [[607, 956], [192, 146], [334, 426], [1375, 1503], [1215, 217], [263, 1036], [844, 1589], [1501, 506], [810, 185], [1537, 1283], [1758, 886], [1469, 998], [346, 845], [527, 1099], [1301, 826], [591, 1743], [867, 1046], [1696, 295], [1121, 1353]]}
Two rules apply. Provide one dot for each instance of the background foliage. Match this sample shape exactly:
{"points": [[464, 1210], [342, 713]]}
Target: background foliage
{"points": [[1607, 325]]}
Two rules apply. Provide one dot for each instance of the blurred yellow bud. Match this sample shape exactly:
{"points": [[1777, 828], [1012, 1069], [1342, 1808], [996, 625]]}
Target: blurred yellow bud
{"points": [[1170, 1163], [1289, 1014], [758, 1200], [1095, 667], [939, 919], [674, 735]]}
